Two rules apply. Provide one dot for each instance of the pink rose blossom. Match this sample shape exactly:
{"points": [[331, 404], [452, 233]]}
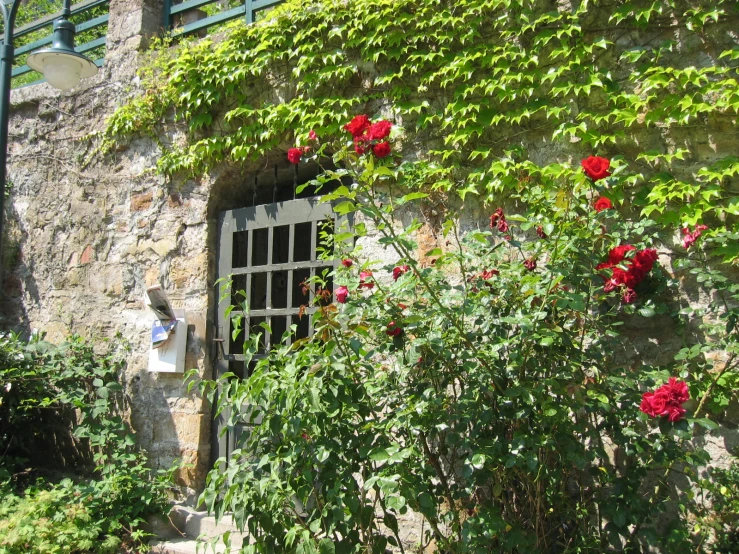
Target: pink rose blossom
{"points": [[364, 282], [342, 293]]}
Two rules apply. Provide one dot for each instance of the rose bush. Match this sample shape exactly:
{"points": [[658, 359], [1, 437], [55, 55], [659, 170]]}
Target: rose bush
{"points": [[496, 404]]}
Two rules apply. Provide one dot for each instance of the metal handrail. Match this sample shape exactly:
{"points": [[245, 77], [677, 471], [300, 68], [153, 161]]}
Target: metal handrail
{"points": [[248, 10]]}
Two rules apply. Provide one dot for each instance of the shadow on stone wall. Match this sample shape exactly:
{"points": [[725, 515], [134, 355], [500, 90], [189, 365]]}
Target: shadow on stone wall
{"points": [[19, 286]]}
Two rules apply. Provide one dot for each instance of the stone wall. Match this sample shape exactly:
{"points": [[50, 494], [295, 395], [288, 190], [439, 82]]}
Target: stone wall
{"points": [[86, 236]]}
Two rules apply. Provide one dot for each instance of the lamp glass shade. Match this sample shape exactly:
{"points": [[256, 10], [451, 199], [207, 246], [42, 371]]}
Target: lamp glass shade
{"points": [[62, 69], [62, 72]]}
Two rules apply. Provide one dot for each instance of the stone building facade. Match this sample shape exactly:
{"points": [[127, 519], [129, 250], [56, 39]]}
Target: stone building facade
{"points": [[87, 235]]}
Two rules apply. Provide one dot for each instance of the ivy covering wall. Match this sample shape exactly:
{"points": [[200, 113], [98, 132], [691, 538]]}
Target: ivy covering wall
{"points": [[501, 91]]}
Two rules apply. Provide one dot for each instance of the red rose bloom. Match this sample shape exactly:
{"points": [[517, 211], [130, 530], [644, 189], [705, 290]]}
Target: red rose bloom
{"points": [[602, 203], [689, 238], [381, 149], [358, 125], [540, 232], [393, 330], [399, 271], [342, 293], [636, 270], [530, 264], [666, 401], [498, 214], [618, 254], [643, 262], [312, 135], [379, 130], [363, 280], [596, 167], [294, 155], [502, 225], [629, 296], [347, 263], [489, 274]]}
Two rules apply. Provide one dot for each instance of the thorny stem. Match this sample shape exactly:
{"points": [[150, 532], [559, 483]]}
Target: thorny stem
{"points": [[434, 460], [401, 250]]}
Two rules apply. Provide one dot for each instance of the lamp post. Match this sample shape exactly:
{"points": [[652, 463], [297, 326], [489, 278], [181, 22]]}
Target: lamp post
{"points": [[61, 65]]}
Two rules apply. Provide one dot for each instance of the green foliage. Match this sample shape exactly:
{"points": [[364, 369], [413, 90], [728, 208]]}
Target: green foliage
{"points": [[48, 394], [55, 520], [722, 489], [506, 412], [489, 85]]}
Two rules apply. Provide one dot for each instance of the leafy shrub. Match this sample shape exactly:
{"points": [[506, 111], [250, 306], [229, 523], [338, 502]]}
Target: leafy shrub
{"points": [[54, 520], [721, 521], [74, 392], [487, 389]]}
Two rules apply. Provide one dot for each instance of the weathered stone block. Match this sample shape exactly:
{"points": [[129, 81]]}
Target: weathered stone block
{"points": [[141, 202]]}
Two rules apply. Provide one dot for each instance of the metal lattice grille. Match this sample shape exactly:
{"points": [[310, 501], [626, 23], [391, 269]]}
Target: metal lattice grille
{"points": [[270, 251]]}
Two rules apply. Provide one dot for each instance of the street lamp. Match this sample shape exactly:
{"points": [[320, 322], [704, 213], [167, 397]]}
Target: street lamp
{"points": [[61, 65]]}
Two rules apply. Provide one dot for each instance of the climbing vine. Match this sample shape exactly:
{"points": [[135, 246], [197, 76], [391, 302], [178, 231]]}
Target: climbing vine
{"points": [[500, 92]]}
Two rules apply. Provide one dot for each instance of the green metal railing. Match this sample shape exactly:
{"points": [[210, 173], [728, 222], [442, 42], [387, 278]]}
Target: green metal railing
{"points": [[92, 27], [214, 13]]}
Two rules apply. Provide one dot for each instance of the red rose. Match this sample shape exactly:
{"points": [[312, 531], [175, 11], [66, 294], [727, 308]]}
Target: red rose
{"points": [[489, 274], [358, 125], [381, 149], [629, 296], [660, 401], [399, 271], [294, 154], [666, 401], [342, 293], [312, 135], [379, 130], [675, 413], [646, 404], [393, 330], [347, 263], [498, 214], [596, 167], [636, 270], [643, 262], [502, 225], [602, 203], [363, 280], [530, 264], [610, 285], [689, 238], [618, 254], [678, 390], [540, 232]]}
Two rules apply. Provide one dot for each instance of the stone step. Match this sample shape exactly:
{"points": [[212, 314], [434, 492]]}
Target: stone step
{"points": [[194, 524], [187, 546]]}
